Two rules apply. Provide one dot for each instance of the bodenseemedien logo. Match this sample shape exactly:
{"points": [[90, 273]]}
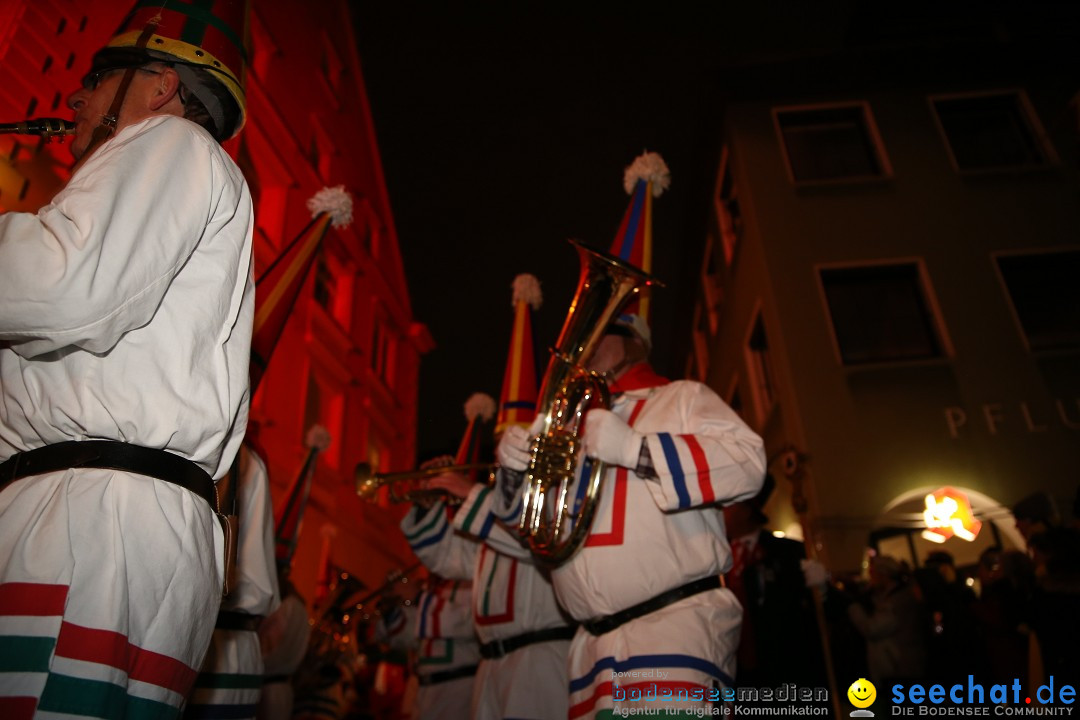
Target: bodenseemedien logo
{"points": [[862, 694]]}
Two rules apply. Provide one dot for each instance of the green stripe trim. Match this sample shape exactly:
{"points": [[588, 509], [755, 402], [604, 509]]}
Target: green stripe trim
{"points": [[19, 653], [446, 657], [435, 521], [95, 698], [475, 509], [229, 680]]}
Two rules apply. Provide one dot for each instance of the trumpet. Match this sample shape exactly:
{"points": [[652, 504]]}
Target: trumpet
{"points": [[409, 486], [47, 128]]}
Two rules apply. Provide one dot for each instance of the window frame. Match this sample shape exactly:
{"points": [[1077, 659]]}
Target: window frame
{"points": [[1027, 113], [1022, 252], [870, 127], [929, 297]]}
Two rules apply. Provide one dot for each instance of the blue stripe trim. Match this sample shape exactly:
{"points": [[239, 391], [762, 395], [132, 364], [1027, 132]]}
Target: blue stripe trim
{"points": [[514, 515], [434, 538], [485, 529], [580, 479], [519, 405], [678, 479], [632, 224], [220, 712], [661, 662]]}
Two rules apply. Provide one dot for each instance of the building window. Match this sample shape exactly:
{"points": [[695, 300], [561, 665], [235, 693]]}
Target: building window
{"points": [[1045, 295], [880, 313], [831, 143], [760, 370], [991, 131]]}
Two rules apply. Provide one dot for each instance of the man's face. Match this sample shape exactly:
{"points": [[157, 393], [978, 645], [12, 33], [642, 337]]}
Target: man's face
{"points": [[92, 103], [609, 354]]}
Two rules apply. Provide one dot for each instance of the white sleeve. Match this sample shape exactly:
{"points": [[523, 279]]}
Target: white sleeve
{"points": [[96, 262], [477, 518], [709, 455], [431, 536]]}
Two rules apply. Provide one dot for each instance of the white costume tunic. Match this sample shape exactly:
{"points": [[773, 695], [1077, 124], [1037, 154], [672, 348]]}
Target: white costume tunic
{"points": [[125, 314], [442, 621], [650, 536], [231, 678], [511, 596]]}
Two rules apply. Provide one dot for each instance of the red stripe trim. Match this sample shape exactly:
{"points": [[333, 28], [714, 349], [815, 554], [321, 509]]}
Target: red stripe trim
{"points": [[106, 647], [36, 599], [508, 611], [17, 708], [702, 465], [618, 506]]}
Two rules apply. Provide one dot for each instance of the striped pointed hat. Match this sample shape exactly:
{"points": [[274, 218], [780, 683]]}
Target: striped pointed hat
{"points": [[646, 178], [517, 404], [278, 288], [479, 409]]}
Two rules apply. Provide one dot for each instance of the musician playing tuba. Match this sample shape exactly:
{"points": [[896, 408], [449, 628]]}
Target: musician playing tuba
{"points": [[645, 584]]}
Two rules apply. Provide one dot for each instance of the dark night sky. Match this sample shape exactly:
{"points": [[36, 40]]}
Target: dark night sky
{"points": [[501, 137]]}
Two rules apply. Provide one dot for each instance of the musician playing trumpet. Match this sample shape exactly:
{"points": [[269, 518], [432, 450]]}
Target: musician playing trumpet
{"points": [[645, 584]]}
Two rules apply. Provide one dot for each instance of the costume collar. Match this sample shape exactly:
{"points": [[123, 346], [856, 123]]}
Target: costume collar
{"points": [[637, 377]]}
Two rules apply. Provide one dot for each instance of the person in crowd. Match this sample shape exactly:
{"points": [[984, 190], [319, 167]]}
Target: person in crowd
{"points": [[780, 640], [892, 623]]}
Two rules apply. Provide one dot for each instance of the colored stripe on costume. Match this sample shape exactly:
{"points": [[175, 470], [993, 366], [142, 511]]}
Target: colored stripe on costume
{"points": [[701, 464], [242, 681], [678, 478], [484, 617], [467, 524], [95, 698], [25, 654], [34, 599], [113, 649]]}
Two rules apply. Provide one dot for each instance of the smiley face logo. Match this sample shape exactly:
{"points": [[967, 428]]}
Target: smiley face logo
{"points": [[862, 693]]}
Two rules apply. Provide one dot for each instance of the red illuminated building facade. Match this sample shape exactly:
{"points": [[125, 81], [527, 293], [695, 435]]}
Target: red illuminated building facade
{"points": [[349, 356]]}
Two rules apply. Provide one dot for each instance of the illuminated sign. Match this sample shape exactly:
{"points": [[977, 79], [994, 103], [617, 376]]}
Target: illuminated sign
{"points": [[948, 513]]}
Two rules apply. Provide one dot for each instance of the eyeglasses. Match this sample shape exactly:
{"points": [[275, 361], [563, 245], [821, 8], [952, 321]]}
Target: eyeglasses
{"points": [[92, 80]]}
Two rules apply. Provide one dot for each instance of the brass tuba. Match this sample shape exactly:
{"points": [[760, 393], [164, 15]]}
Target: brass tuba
{"points": [[557, 512]]}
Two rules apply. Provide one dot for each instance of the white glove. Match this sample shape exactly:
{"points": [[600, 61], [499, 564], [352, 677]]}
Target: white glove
{"points": [[815, 573], [608, 438], [513, 450]]}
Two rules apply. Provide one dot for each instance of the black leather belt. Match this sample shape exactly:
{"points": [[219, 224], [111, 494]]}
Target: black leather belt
{"points": [[447, 675], [111, 455], [232, 620], [606, 624], [499, 648]]}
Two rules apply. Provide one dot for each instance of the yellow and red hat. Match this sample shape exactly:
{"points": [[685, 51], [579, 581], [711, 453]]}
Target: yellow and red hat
{"points": [[206, 42], [517, 404]]}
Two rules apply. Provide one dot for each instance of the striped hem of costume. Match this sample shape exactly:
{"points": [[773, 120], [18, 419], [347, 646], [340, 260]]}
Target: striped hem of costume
{"points": [[431, 531], [224, 696], [48, 665], [684, 468]]}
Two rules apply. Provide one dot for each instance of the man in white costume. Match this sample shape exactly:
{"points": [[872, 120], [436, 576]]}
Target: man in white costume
{"points": [[646, 583], [524, 634], [125, 326], [231, 678]]}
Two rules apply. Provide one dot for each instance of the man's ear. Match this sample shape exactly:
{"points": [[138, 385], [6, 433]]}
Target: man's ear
{"points": [[166, 88]]}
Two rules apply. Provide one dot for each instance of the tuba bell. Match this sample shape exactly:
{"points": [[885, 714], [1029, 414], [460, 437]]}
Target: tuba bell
{"points": [[558, 506]]}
